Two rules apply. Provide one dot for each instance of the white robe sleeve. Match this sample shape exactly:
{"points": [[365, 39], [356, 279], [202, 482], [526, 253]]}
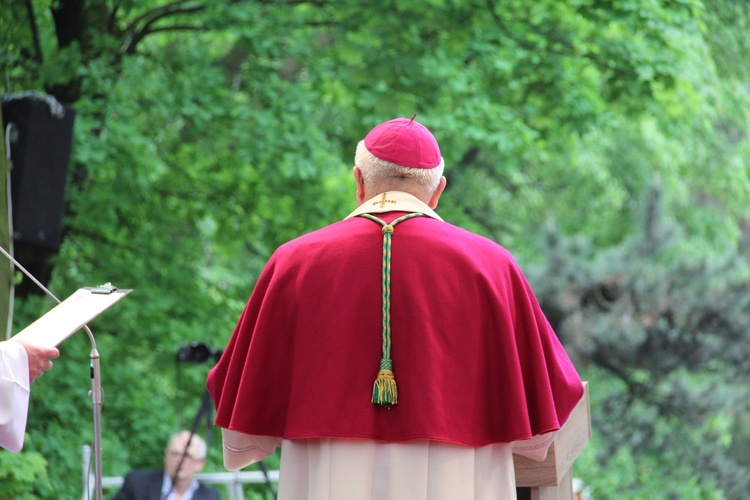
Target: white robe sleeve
{"points": [[241, 450], [535, 448], [14, 394]]}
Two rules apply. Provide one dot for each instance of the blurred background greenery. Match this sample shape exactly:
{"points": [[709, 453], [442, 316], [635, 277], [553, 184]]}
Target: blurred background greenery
{"points": [[603, 142]]}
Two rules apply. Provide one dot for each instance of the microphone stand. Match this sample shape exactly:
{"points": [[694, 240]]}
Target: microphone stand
{"points": [[96, 387], [203, 411]]}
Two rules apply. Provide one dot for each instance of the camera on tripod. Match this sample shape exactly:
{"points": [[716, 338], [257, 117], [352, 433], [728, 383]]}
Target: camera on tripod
{"points": [[197, 352]]}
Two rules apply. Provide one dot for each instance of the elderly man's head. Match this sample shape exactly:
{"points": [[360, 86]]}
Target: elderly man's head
{"points": [[195, 457], [399, 155]]}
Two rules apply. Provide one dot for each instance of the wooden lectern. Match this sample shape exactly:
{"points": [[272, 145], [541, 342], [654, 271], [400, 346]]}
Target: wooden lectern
{"points": [[552, 478]]}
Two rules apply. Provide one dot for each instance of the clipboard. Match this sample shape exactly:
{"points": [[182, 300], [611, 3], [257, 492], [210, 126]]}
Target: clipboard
{"points": [[70, 315]]}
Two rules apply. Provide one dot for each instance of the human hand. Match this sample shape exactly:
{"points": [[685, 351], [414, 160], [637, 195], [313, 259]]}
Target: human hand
{"points": [[39, 358]]}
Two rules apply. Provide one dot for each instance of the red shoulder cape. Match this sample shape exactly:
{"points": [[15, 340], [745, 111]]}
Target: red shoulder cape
{"points": [[475, 360]]}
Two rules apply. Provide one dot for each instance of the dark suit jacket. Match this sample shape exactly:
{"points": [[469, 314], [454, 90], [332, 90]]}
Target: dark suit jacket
{"points": [[146, 485]]}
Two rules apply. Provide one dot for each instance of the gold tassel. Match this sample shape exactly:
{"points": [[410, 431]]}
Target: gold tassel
{"points": [[384, 391]]}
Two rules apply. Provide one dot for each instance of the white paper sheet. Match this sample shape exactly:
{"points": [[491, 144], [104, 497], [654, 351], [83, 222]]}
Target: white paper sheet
{"points": [[69, 316]]}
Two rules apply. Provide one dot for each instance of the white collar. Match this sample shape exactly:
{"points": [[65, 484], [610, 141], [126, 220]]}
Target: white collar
{"points": [[166, 488], [394, 201]]}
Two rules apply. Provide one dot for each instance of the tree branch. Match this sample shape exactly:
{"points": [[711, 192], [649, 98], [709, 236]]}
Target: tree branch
{"points": [[177, 27], [134, 36], [34, 30], [158, 12]]}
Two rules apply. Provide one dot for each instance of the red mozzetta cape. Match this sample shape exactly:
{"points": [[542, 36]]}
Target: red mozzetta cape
{"points": [[475, 360]]}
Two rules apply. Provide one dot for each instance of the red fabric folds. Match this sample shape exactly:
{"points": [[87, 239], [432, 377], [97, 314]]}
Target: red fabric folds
{"points": [[475, 360]]}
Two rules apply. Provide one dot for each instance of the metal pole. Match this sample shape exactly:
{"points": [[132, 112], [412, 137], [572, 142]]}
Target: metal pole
{"points": [[96, 399]]}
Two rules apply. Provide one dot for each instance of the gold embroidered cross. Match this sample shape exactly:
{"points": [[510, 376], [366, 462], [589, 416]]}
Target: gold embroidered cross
{"points": [[383, 201]]}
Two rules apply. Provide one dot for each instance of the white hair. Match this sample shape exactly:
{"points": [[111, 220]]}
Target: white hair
{"points": [[196, 443], [381, 175]]}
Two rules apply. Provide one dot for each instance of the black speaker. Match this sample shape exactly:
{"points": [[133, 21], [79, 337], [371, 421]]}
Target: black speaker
{"points": [[40, 133]]}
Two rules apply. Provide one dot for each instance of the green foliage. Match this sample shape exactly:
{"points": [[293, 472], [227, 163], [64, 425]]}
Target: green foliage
{"points": [[23, 476], [626, 474], [208, 133], [652, 326]]}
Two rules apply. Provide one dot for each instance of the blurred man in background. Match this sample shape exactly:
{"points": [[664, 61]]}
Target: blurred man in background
{"points": [[184, 457]]}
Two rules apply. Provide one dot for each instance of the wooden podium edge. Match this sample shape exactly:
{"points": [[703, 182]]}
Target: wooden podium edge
{"points": [[563, 451]]}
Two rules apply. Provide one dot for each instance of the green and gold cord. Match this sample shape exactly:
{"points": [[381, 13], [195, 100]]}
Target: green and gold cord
{"points": [[385, 392]]}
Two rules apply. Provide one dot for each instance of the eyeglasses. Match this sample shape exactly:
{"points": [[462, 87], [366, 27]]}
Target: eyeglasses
{"points": [[178, 454]]}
